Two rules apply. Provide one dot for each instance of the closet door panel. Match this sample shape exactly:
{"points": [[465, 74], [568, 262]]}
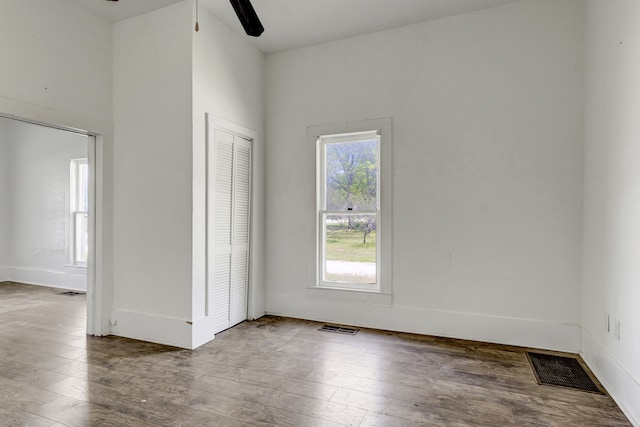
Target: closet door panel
{"points": [[220, 260], [241, 223]]}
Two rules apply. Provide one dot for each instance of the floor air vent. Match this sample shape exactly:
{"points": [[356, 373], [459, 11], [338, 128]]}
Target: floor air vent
{"points": [[339, 330], [561, 371], [71, 293]]}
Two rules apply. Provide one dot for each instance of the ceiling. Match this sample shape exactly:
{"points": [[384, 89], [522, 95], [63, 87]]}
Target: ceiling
{"points": [[123, 9], [296, 23]]}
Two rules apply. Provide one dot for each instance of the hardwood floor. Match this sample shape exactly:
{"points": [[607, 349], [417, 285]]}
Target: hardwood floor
{"points": [[274, 371]]}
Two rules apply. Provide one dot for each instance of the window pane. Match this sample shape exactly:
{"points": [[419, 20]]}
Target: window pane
{"points": [[350, 249], [351, 176], [81, 225], [83, 187]]}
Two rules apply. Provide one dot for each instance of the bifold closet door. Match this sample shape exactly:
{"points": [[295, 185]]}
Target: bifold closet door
{"points": [[240, 227], [229, 219]]}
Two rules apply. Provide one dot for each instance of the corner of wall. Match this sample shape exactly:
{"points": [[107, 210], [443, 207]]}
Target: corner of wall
{"points": [[621, 386], [151, 327], [202, 331], [611, 204]]}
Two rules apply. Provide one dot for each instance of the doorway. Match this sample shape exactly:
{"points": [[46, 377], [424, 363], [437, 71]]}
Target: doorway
{"points": [[47, 208]]}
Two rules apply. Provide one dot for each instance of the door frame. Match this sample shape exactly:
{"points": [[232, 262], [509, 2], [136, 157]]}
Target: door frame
{"points": [[95, 151]]}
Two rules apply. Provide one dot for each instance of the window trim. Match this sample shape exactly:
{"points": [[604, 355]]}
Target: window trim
{"points": [[74, 213], [323, 142], [336, 131]]}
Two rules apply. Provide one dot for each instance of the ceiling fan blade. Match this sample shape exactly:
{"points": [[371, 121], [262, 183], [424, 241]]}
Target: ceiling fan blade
{"points": [[248, 17]]}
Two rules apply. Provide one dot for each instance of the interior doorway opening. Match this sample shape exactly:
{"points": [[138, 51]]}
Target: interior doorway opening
{"points": [[47, 208]]}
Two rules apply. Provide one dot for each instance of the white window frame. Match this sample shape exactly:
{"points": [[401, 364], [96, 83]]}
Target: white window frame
{"points": [[75, 213], [323, 142], [344, 132]]}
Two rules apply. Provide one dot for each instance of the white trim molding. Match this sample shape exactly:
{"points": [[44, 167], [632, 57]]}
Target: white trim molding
{"points": [[620, 385], [383, 128], [5, 274], [469, 326], [152, 328], [202, 331], [73, 280]]}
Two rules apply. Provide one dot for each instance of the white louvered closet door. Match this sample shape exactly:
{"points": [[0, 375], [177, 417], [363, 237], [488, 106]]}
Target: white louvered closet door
{"points": [[228, 261], [240, 227]]}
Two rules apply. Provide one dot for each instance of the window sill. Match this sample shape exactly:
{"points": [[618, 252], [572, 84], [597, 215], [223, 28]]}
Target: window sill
{"points": [[349, 295]]}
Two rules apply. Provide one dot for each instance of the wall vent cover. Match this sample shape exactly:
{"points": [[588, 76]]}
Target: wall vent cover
{"points": [[561, 371], [339, 329], [71, 293]]}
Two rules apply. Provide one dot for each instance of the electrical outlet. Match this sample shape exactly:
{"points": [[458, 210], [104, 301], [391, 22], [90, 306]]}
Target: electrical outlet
{"points": [[616, 329], [607, 323]]}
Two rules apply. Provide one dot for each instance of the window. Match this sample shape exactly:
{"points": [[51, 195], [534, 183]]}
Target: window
{"points": [[79, 205], [353, 200]]}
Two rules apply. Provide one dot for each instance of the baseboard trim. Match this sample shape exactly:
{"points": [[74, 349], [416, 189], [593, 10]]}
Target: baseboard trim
{"points": [[470, 326], [40, 277], [620, 385], [151, 327], [203, 331], [5, 274]]}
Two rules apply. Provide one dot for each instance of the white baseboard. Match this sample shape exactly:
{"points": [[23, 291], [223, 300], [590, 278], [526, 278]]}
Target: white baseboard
{"points": [[203, 331], [151, 327], [622, 387], [470, 326], [5, 274], [40, 277]]}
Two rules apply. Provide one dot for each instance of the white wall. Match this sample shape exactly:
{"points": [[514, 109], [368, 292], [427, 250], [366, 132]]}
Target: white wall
{"points": [[38, 224], [227, 83], [611, 271], [166, 79], [56, 55], [5, 203], [153, 176], [56, 68], [487, 159]]}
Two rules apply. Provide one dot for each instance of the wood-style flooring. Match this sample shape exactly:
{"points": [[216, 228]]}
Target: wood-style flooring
{"points": [[273, 371]]}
